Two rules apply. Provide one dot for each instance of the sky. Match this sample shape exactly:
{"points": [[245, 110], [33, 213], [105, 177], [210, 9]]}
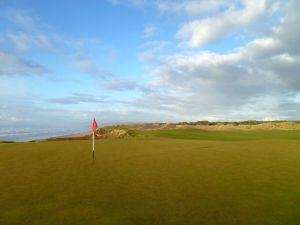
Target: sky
{"points": [[129, 61]]}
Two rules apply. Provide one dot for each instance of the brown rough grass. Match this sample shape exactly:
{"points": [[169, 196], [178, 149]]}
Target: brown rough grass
{"points": [[219, 127]]}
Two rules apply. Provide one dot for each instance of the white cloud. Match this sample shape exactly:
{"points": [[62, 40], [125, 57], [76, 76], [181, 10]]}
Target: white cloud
{"points": [[200, 32], [77, 98], [191, 8], [13, 65], [288, 30], [22, 18], [154, 46], [120, 84], [26, 42], [262, 47], [30, 33], [150, 30], [83, 63], [20, 40]]}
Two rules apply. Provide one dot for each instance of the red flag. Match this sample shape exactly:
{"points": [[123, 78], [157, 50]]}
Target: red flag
{"points": [[94, 125]]}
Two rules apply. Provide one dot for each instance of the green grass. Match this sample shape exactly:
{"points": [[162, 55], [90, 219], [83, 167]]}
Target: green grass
{"points": [[196, 134], [168, 177]]}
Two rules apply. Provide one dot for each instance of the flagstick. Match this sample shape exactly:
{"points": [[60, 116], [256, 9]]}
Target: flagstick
{"points": [[93, 145]]}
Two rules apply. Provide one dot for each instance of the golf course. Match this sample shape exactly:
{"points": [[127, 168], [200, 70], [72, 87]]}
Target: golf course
{"points": [[158, 177], [150, 112]]}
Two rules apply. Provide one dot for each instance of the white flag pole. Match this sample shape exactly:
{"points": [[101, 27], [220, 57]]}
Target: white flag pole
{"points": [[93, 145]]}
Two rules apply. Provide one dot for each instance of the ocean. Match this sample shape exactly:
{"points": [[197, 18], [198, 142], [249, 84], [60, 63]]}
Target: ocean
{"points": [[29, 134]]}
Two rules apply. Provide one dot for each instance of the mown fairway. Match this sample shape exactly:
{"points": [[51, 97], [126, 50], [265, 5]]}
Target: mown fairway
{"points": [[168, 177]]}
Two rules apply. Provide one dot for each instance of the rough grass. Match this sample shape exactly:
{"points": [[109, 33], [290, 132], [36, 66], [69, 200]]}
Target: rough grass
{"points": [[235, 135], [171, 177]]}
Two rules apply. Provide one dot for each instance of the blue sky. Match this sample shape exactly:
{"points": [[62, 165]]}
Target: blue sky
{"points": [[64, 62]]}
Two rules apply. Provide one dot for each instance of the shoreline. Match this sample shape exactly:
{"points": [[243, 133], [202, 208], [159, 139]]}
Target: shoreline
{"points": [[76, 136], [80, 135]]}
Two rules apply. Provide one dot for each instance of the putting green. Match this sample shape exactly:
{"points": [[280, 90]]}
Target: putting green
{"points": [[211, 178]]}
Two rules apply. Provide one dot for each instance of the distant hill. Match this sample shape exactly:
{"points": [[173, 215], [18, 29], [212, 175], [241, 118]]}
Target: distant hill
{"points": [[207, 125]]}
